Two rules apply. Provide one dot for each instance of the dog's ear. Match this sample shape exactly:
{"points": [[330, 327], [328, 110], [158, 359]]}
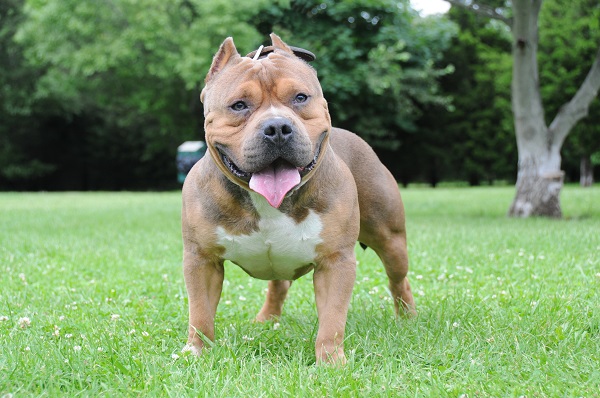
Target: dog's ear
{"points": [[278, 44], [227, 53]]}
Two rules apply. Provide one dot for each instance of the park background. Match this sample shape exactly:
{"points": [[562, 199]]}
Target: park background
{"points": [[98, 95]]}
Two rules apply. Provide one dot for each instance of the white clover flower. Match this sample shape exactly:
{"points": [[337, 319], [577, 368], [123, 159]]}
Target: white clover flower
{"points": [[115, 317], [175, 356], [24, 322], [77, 348]]}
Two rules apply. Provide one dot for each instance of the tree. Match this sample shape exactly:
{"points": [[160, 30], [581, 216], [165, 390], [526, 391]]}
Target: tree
{"points": [[118, 84], [539, 178], [18, 121], [476, 138], [113, 85], [375, 60], [569, 37]]}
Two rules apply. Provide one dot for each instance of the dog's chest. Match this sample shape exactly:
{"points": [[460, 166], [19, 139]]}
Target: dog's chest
{"points": [[280, 249]]}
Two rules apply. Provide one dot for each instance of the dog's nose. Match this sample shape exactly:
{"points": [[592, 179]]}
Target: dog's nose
{"points": [[278, 130]]}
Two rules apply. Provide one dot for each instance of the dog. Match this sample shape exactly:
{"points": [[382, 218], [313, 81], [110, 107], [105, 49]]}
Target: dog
{"points": [[282, 193]]}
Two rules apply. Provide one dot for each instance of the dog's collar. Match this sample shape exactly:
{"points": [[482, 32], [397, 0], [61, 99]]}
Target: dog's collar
{"points": [[301, 53]]}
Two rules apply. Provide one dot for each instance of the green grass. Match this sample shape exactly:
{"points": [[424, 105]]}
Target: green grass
{"points": [[506, 307]]}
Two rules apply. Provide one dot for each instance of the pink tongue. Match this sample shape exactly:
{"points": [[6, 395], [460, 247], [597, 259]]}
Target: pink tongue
{"points": [[275, 181]]}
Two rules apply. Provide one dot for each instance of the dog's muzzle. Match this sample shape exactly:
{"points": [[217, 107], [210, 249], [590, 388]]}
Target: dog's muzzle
{"points": [[279, 177]]}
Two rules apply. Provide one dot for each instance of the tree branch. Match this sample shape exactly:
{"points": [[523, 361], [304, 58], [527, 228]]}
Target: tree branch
{"points": [[481, 9], [577, 108], [537, 5]]}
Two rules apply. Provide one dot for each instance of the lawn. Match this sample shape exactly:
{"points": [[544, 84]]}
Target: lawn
{"points": [[92, 303]]}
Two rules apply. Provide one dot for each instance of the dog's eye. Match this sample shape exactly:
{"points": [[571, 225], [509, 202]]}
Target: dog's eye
{"points": [[239, 106], [300, 98]]}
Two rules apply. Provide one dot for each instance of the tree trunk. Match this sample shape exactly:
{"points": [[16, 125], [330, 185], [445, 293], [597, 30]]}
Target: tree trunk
{"points": [[539, 179], [539, 182], [586, 170]]}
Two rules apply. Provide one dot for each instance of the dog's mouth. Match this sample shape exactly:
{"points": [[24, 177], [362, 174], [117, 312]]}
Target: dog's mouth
{"points": [[236, 171], [276, 180]]}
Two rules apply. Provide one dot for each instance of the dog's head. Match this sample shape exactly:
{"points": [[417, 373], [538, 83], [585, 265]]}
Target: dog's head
{"points": [[266, 121]]}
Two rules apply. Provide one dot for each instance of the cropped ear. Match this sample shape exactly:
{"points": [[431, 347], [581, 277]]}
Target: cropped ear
{"points": [[227, 53], [278, 44]]}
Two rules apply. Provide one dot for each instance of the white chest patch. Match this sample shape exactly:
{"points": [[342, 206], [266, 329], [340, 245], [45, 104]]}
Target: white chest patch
{"points": [[280, 246]]}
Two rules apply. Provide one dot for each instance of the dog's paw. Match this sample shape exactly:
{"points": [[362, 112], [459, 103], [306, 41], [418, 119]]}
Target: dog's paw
{"points": [[337, 359], [192, 349]]}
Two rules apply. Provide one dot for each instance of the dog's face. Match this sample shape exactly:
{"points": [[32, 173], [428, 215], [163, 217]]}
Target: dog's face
{"points": [[266, 121]]}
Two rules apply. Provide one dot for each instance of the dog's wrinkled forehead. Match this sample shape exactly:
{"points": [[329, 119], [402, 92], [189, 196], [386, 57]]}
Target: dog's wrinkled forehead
{"points": [[231, 69]]}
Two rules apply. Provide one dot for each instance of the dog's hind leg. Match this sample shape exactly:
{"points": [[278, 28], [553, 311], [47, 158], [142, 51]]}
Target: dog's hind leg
{"points": [[276, 294], [394, 255]]}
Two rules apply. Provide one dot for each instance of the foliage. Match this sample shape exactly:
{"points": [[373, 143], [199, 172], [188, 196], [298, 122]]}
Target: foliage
{"points": [[569, 40], [475, 141], [119, 83], [482, 122], [97, 95], [376, 63], [506, 307], [19, 129], [115, 84]]}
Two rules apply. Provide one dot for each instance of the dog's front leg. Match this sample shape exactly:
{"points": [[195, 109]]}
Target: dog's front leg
{"points": [[333, 282], [204, 282]]}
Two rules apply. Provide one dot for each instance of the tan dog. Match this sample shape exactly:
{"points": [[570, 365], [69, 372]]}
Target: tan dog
{"points": [[283, 193]]}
